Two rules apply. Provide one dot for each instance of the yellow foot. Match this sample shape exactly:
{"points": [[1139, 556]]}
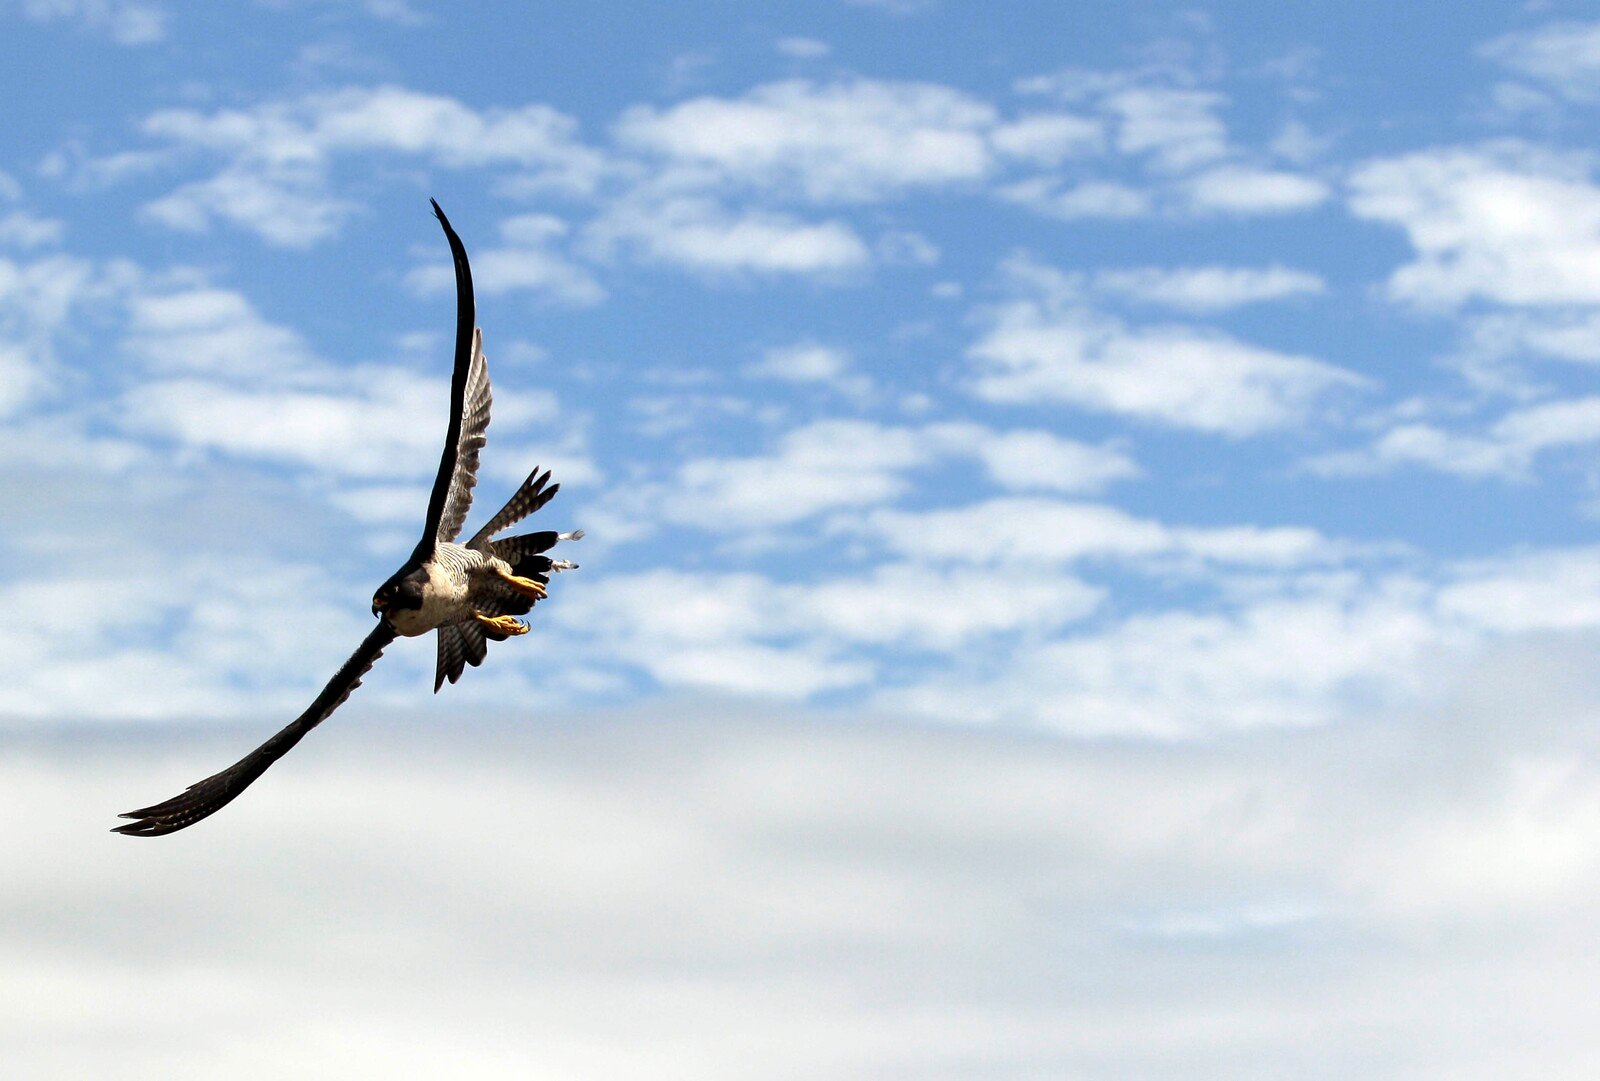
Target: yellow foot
{"points": [[508, 626], [525, 586]]}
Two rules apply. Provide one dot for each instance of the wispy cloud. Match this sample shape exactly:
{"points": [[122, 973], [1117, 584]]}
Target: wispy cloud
{"points": [[1047, 346], [701, 235], [277, 155], [1564, 56], [127, 22], [529, 259], [857, 140]]}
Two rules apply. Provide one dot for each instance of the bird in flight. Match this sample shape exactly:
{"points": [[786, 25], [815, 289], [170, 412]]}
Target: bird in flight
{"points": [[470, 593]]}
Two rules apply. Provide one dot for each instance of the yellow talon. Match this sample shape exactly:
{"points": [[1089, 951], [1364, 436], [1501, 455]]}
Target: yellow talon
{"points": [[507, 625], [525, 586]]}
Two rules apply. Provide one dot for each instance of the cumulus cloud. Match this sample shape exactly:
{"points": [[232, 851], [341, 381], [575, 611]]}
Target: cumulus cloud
{"points": [[857, 140], [829, 892], [210, 329], [127, 22], [1564, 56], [1049, 347], [39, 300], [1084, 199], [1283, 661], [841, 464], [277, 155], [810, 362], [1048, 138], [1208, 288], [1504, 223], [1057, 532], [528, 259], [209, 635], [1237, 189], [1161, 128], [1178, 128], [1507, 448], [19, 229], [701, 235], [798, 48]]}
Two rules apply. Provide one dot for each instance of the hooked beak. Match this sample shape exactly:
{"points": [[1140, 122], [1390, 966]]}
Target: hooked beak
{"points": [[378, 605]]}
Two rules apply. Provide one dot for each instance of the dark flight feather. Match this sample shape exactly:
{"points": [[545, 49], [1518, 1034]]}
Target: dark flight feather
{"points": [[466, 322], [460, 644], [206, 797], [528, 498]]}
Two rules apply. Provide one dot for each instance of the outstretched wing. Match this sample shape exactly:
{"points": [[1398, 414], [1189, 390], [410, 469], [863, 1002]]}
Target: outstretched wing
{"points": [[449, 459], [215, 792], [474, 433]]}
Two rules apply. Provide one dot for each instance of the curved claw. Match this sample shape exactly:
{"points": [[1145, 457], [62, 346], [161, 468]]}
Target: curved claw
{"points": [[501, 627], [527, 587]]}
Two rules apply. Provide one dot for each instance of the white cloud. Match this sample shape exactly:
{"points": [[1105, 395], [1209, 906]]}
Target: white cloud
{"points": [[833, 465], [1169, 133], [796, 48], [286, 206], [527, 260], [1054, 350], [725, 632], [1045, 462], [1565, 56], [368, 427], [1563, 335], [1508, 448], [858, 140], [207, 329], [199, 637], [38, 301], [1038, 530], [20, 380], [311, 127], [748, 635], [803, 363], [1543, 591], [1208, 288], [809, 362], [1087, 199], [823, 466], [277, 154], [826, 892], [1504, 223], [1177, 128], [700, 235], [937, 608], [399, 12], [19, 229], [1049, 138], [1237, 189], [1177, 674], [127, 22]]}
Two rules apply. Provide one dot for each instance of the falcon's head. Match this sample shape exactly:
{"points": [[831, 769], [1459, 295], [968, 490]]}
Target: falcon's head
{"points": [[400, 592]]}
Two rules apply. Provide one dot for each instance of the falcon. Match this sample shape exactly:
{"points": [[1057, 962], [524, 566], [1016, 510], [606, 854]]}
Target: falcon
{"points": [[471, 593]]}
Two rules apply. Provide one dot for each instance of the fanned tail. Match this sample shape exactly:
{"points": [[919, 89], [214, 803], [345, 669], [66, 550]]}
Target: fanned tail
{"points": [[528, 498]]}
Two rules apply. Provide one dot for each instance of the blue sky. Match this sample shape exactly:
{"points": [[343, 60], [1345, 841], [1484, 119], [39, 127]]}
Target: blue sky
{"points": [[1162, 381]]}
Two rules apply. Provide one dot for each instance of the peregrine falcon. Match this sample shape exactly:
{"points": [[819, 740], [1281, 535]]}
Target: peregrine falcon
{"points": [[470, 593]]}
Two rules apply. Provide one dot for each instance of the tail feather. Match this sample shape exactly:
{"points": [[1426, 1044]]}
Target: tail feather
{"points": [[528, 498], [460, 644]]}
